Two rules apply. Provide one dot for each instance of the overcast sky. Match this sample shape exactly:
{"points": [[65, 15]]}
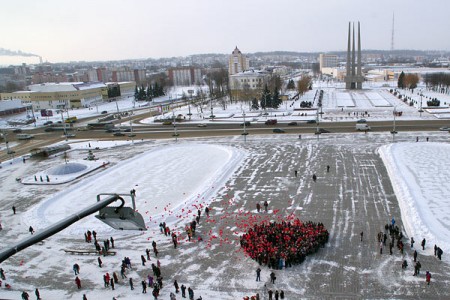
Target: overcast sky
{"points": [[62, 30]]}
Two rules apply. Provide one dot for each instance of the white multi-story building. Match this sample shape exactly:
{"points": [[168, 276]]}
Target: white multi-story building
{"points": [[238, 62], [247, 85]]}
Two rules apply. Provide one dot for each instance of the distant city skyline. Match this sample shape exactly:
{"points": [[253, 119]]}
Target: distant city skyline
{"points": [[83, 30]]}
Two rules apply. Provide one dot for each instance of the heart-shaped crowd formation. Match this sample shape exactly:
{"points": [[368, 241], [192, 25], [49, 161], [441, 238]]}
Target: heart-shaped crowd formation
{"points": [[284, 244]]}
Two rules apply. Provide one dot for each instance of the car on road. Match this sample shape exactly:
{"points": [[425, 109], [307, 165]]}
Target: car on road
{"points": [[82, 129], [17, 130], [118, 133], [311, 122], [445, 128], [49, 129], [131, 135], [48, 123], [361, 121], [293, 123], [104, 112], [167, 123], [201, 125], [246, 123], [278, 130], [271, 122], [69, 135], [321, 130]]}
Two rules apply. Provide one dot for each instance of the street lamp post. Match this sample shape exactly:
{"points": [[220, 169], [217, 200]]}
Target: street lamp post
{"points": [[394, 132], [245, 133], [420, 108]]}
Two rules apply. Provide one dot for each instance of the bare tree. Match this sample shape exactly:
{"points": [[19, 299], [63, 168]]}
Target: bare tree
{"points": [[303, 85]]}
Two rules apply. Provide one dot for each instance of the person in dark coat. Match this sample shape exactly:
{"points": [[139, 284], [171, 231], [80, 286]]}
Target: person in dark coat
{"points": [[111, 282], [423, 244], [131, 284], [415, 255], [258, 274], [272, 277], [314, 177], [25, 295], [99, 262], [183, 291], [38, 295], [14, 210], [177, 288], [144, 287], [270, 292]]}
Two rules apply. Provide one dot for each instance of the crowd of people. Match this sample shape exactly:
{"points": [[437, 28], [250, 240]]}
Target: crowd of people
{"points": [[279, 245]]}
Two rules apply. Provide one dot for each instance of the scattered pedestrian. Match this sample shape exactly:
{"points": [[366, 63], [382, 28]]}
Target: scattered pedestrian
{"points": [[144, 287], [404, 264], [76, 269], [31, 230], [78, 282], [266, 204], [84, 297], [207, 211], [295, 173], [428, 277], [314, 177], [14, 210], [362, 234], [439, 253], [112, 242], [38, 295], [412, 242], [328, 169], [258, 274], [175, 285], [272, 277], [99, 262], [143, 260], [415, 255], [258, 207], [2, 274], [183, 291], [111, 282], [25, 296], [423, 244], [131, 283]]}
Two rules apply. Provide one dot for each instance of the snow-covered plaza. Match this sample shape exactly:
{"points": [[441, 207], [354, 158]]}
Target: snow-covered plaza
{"points": [[371, 180]]}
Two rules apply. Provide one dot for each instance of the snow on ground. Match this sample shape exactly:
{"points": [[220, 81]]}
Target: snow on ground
{"points": [[420, 175], [193, 171], [172, 177]]}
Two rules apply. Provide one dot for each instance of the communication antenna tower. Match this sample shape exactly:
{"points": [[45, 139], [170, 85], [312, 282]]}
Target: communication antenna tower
{"points": [[392, 37]]}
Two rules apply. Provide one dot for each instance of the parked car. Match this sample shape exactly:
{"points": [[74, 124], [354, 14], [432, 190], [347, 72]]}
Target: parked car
{"points": [[118, 133], [104, 112], [293, 123], [271, 122], [311, 122], [361, 121], [278, 130], [201, 125], [48, 123]]}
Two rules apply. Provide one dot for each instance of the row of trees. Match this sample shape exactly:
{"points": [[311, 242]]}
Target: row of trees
{"points": [[439, 82], [152, 91]]}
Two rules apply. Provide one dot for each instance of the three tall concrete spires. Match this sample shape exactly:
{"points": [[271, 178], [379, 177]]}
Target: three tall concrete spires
{"points": [[354, 77]]}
